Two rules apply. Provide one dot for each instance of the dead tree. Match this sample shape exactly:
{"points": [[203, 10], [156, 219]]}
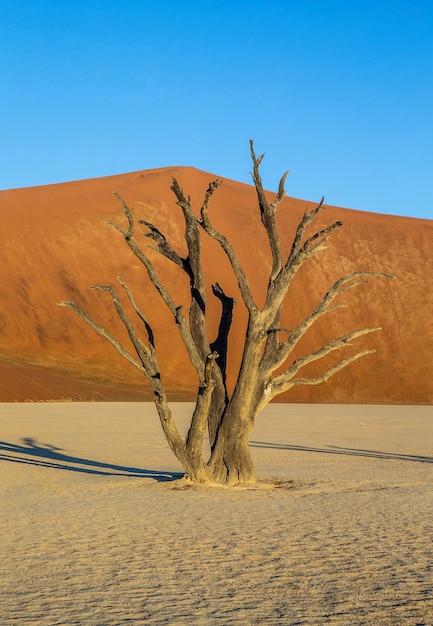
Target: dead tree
{"points": [[266, 369]]}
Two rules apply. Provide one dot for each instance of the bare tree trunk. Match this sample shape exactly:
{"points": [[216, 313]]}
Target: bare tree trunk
{"points": [[231, 463]]}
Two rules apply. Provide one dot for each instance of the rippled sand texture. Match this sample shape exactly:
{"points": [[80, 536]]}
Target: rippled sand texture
{"points": [[92, 532]]}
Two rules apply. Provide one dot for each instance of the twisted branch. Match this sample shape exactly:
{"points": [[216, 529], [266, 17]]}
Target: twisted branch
{"points": [[176, 311], [284, 381], [331, 371], [194, 438], [267, 211], [281, 351], [228, 249], [106, 335], [299, 253]]}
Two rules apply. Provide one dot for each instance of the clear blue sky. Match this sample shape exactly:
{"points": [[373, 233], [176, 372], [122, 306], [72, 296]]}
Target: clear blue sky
{"points": [[339, 91]]}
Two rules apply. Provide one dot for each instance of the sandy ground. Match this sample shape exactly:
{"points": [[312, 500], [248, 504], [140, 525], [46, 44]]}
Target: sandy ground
{"points": [[93, 534]]}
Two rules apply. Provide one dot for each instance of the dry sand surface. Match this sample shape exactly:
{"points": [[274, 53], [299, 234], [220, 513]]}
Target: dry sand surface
{"points": [[93, 534]]}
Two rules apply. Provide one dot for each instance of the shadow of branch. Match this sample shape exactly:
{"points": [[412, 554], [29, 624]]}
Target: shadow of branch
{"points": [[375, 454], [47, 455]]}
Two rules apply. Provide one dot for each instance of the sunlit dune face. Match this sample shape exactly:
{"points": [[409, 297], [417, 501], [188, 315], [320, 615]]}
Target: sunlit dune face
{"points": [[56, 245]]}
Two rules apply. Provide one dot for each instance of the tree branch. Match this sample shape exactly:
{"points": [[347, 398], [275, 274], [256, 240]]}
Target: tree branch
{"points": [[299, 253], [267, 211], [197, 319], [229, 251], [193, 266], [194, 438], [281, 352], [141, 349], [331, 371], [307, 218], [148, 366], [103, 333], [162, 245], [185, 333], [284, 381], [143, 318]]}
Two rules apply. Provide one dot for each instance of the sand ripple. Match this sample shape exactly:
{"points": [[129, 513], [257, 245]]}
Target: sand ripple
{"points": [[350, 544]]}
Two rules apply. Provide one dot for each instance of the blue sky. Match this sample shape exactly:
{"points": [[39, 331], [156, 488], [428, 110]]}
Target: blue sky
{"points": [[339, 92]]}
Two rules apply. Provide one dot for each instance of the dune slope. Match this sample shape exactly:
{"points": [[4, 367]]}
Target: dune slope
{"points": [[55, 245]]}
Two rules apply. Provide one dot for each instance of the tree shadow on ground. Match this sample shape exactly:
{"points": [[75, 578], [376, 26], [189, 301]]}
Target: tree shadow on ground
{"points": [[375, 454], [46, 455]]}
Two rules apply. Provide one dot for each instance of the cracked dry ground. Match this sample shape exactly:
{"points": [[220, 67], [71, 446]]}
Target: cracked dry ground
{"points": [[89, 538]]}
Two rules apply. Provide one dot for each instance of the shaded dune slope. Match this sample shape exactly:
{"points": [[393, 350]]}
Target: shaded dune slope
{"points": [[55, 245]]}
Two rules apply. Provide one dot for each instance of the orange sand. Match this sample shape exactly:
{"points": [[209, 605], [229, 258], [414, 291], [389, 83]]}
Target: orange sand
{"points": [[55, 246]]}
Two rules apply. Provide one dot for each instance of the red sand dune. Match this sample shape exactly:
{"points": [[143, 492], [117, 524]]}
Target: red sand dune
{"points": [[55, 245]]}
